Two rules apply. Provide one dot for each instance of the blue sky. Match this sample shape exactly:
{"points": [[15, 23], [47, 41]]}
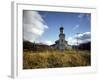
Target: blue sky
{"points": [[72, 22]]}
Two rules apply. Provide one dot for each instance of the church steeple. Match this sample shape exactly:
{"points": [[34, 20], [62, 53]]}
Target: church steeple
{"points": [[61, 35], [61, 29], [61, 44]]}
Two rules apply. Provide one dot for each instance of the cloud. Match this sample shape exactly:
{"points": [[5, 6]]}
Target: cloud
{"points": [[87, 15], [72, 41], [48, 42], [76, 26], [33, 25], [81, 15], [82, 38]]}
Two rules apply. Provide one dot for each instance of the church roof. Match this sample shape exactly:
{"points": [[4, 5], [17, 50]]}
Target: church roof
{"points": [[57, 41]]}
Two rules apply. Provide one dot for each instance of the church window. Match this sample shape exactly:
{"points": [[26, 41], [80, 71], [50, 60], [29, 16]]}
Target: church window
{"points": [[61, 40]]}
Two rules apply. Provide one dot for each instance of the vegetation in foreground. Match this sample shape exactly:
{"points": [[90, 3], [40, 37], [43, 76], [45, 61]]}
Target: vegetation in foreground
{"points": [[55, 58]]}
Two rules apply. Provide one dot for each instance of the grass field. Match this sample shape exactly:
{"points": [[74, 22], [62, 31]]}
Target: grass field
{"points": [[55, 58]]}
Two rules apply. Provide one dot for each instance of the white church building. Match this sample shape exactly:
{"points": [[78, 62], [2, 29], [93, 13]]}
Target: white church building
{"points": [[61, 44]]}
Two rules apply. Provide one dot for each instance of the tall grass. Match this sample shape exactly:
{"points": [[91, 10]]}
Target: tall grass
{"points": [[55, 58]]}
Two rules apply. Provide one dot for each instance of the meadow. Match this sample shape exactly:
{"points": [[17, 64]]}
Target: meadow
{"points": [[55, 59]]}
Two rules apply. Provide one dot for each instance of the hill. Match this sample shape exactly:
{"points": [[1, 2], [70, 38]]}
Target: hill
{"points": [[83, 46], [35, 46]]}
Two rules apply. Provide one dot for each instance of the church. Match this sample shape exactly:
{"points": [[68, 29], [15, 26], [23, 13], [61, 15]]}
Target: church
{"points": [[61, 44]]}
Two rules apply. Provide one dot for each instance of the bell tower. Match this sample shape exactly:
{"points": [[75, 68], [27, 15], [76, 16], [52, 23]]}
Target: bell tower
{"points": [[61, 39], [61, 35]]}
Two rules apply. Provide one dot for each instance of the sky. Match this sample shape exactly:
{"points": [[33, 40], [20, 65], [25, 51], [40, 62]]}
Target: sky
{"points": [[43, 26]]}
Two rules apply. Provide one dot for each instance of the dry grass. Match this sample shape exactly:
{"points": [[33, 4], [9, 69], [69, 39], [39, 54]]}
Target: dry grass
{"points": [[54, 58]]}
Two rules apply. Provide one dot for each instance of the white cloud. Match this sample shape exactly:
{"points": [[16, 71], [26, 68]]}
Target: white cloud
{"points": [[76, 26], [33, 25], [48, 42], [72, 41], [81, 15], [82, 38]]}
